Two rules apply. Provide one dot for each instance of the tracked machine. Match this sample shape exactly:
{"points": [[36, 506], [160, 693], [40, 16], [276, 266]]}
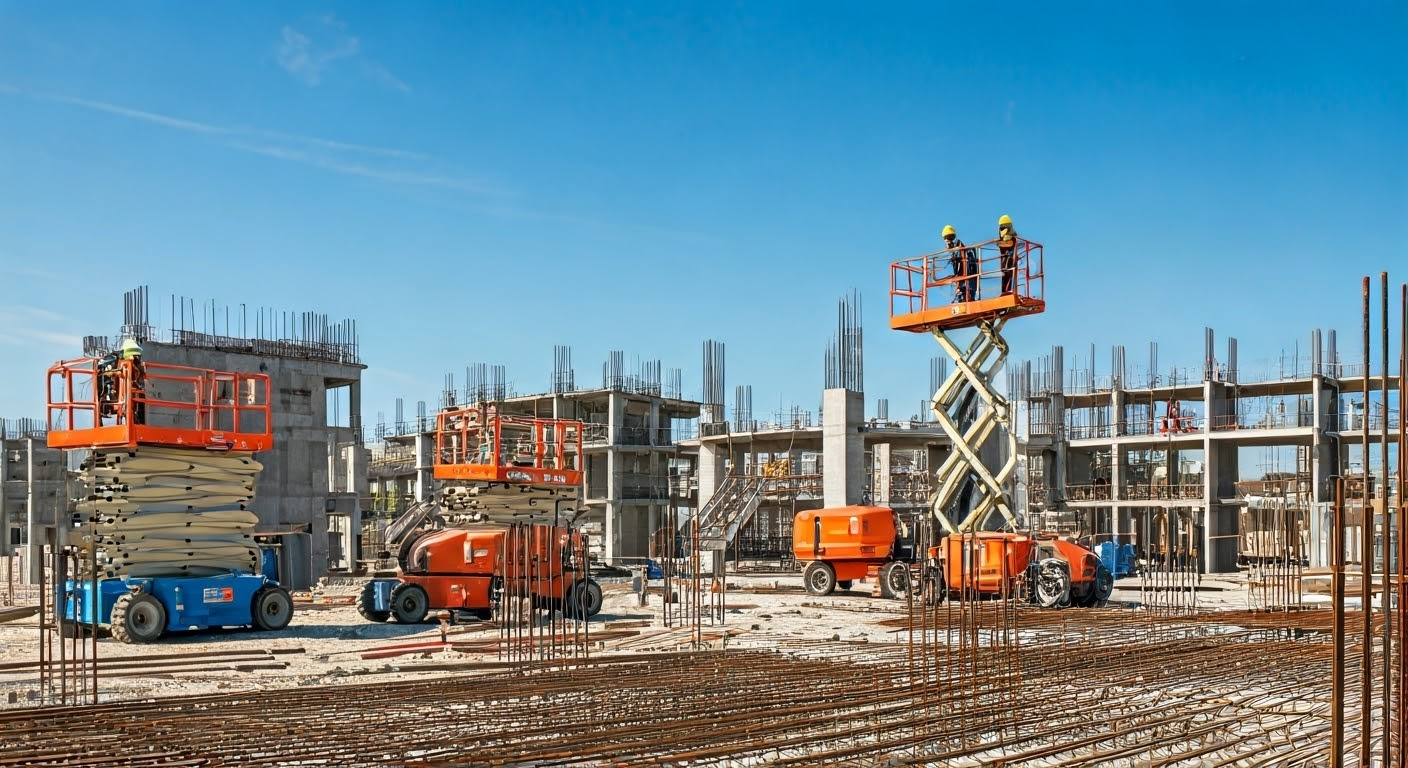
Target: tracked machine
{"points": [[500, 530]]}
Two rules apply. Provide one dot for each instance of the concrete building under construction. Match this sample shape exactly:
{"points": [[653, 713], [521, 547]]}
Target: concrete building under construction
{"points": [[1178, 462], [309, 491]]}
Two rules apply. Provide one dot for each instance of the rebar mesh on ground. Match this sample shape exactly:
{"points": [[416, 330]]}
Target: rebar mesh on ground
{"points": [[1158, 693]]}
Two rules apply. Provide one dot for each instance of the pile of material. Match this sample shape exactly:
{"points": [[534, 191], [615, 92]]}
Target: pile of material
{"points": [[168, 512]]}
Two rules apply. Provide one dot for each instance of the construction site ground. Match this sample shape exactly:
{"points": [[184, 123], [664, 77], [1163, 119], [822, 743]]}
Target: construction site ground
{"points": [[327, 639], [1230, 673]]}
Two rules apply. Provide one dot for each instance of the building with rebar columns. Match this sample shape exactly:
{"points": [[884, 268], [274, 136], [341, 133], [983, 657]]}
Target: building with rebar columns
{"points": [[1184, 463]]}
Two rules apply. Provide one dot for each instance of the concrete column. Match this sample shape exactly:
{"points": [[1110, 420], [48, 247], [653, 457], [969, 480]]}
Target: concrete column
{"points": [[881, 453], [615, 420], [425, 467], [354, 410], [843, 450]]}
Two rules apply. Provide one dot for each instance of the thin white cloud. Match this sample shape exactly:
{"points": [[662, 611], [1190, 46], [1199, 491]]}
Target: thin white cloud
{"points": [[293, 147], [34, 327], [357, 169], [137, 114], [42, 274], [403, 154], [310, 52]]}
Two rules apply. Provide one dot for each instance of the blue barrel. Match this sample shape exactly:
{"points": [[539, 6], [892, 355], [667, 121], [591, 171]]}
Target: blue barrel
{"points": [[269, 562]]}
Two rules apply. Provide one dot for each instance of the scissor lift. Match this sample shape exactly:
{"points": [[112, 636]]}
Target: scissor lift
{"points": [[927, 297], [507, 468], [164, 546]]}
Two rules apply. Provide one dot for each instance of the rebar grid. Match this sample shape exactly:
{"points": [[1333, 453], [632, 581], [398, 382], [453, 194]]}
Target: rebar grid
{"points": [[1080, 689]]}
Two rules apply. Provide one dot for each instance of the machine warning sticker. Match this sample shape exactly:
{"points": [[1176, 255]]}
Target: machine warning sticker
{"points": [[219, 595]]}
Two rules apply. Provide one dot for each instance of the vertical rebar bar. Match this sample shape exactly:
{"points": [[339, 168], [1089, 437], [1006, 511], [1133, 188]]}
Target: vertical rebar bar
{"points": [[1337, 560], [1386, 717], [1366, 558], [1401, 567]]}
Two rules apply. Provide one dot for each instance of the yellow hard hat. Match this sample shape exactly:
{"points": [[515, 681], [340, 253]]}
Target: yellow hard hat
{"points": [[1004, 221], [949, 230], [130, 347]]}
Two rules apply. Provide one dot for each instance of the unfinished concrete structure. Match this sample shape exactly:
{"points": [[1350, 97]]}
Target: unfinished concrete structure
{"points": [[628, 445], [33, 496], [1168, 459], [310, 490], [753, 476]]}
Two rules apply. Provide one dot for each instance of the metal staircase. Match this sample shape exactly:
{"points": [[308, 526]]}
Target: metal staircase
{"points": [[730, 508]]}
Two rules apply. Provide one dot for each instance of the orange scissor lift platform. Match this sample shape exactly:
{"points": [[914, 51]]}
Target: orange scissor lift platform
{"points": [[127, 404], [925, 291], [478, 444]]}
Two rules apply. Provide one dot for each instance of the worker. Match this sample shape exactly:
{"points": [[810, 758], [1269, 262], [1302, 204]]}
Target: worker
{"points": [[965, 266], [1007, 250], [131, 351]]}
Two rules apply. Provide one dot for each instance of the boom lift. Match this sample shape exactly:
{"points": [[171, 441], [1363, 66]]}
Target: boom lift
{"points": [[162, 528], [498, 530]]}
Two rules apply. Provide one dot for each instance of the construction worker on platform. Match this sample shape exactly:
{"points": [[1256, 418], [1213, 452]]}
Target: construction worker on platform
{"points": [[131, 351], [1007, 250], [965, 266]]}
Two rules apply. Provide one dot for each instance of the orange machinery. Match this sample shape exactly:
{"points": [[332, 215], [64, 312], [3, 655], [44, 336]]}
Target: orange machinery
{"points": [[498, 528], [842, 544], [472, 570], [123, 404], [1052, 571]]}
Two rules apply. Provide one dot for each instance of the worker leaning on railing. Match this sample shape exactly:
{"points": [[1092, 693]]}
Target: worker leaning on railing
{"points": [[1007, 249], [109, 372], [965, 266]]}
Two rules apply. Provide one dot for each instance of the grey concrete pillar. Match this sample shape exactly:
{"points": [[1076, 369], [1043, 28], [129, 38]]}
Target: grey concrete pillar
{"points": [[843, 450], [881, 453], [425, 467]]}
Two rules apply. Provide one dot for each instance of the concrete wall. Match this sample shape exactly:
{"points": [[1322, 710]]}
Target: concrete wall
{"points": [[295, 489], [33, 500]]}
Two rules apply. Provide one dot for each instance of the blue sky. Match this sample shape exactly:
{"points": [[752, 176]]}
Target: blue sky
{"points": [[477, 184]]}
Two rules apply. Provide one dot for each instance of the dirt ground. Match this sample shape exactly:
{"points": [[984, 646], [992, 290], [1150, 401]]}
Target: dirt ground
{"points": [[327, 640]]}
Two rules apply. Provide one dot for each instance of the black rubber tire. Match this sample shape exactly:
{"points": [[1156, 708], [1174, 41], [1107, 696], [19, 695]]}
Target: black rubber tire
{"points": [[894, 580], [845, 584], [272, 608], [409, 603], [1104, 585], [585, 599], [819, 579], [138, 618], [365, 603], [933, 588]]}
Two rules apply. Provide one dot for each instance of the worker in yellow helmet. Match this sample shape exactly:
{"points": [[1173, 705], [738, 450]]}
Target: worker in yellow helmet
{"points": [[965, 266], [137, 381], [1007, 250]]}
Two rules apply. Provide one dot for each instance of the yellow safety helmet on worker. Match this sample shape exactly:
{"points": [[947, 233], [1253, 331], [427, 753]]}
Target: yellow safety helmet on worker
{"points": [[949, 231], [130, 349], [1004, 220]]}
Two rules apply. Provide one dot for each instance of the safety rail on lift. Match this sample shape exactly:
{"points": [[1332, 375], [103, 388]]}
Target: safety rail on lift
{"points": [[477, 443], [928, 292], [104, 403]]}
